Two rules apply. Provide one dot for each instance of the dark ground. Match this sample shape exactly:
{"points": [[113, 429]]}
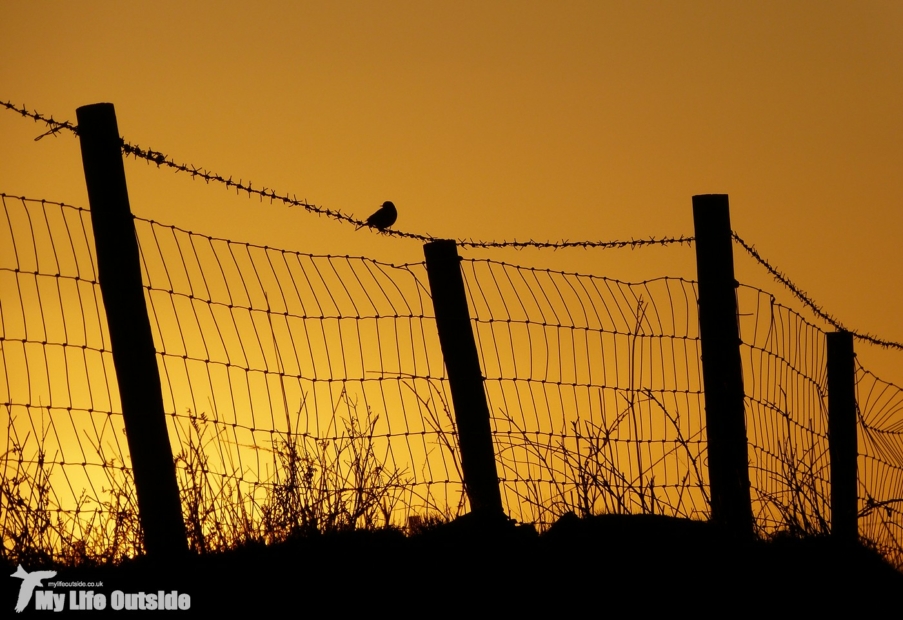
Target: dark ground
{"points": [[606, 564]]}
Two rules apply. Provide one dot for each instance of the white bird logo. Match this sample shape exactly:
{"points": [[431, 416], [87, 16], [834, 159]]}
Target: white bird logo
{"points": [[29, 581]]}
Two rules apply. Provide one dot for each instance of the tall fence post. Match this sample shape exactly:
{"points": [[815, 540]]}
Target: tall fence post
{"points": [[481, 481], [842, 437], [134, 357], [722, 371]]}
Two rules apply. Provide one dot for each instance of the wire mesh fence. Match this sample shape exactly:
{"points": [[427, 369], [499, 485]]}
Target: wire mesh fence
{"points": [[302, 392], [785, 381], [310, 389], [595, 390], [65, 475], [309, 392], [880, 407]]}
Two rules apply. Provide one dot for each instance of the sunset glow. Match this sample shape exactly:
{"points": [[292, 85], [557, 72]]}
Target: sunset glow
{"points": [[505, 120]]}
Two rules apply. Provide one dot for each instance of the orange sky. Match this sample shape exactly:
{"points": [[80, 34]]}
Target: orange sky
{"points": [[496, 120]]}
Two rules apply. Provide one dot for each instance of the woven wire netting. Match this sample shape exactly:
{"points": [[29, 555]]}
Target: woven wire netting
{"points": [[880, 407], [308, 392], [302, 392], [785, 380], [66, 486], [785, 375], [594, 387]]}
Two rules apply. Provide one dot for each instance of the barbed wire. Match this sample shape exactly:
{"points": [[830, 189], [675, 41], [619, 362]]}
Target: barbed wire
{"points": [[807, 300], [631, 243], [162, 160], [55, 126]]}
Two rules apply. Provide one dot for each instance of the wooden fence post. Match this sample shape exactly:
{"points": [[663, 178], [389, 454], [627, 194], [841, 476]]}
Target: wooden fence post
{"points": [[134, 356], [842, 437], [481, 481], [722, 370]]}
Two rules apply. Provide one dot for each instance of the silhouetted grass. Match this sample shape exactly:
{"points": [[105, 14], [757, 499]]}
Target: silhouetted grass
{"points": [[335, 486], [37, 530], [589, 474], [317, 486]]}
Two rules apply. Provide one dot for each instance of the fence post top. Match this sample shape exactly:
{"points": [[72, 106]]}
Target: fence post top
{"points": [[94, 106], [95, 112], [710, 199], [440, 249]]}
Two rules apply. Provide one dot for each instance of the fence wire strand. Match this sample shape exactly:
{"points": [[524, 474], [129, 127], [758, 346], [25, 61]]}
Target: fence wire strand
{"points": [[809, 303], [162, 160]]}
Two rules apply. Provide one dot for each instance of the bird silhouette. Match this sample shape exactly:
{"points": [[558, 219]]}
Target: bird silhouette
{"points": [[384, 217], [29, 581]]}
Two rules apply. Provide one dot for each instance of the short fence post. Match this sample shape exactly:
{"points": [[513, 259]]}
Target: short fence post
{"points": [[134, 356], [465, 377], [842, 437], [722, 370]]}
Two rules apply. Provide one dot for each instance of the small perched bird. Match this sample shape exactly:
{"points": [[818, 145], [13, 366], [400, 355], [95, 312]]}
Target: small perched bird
{"points": [[384, 217]]}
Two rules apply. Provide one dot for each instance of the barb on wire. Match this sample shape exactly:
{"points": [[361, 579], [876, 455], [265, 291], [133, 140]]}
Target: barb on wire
{"points": [[161, 159], [803, 297], [631, 243], [55, 126]]}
